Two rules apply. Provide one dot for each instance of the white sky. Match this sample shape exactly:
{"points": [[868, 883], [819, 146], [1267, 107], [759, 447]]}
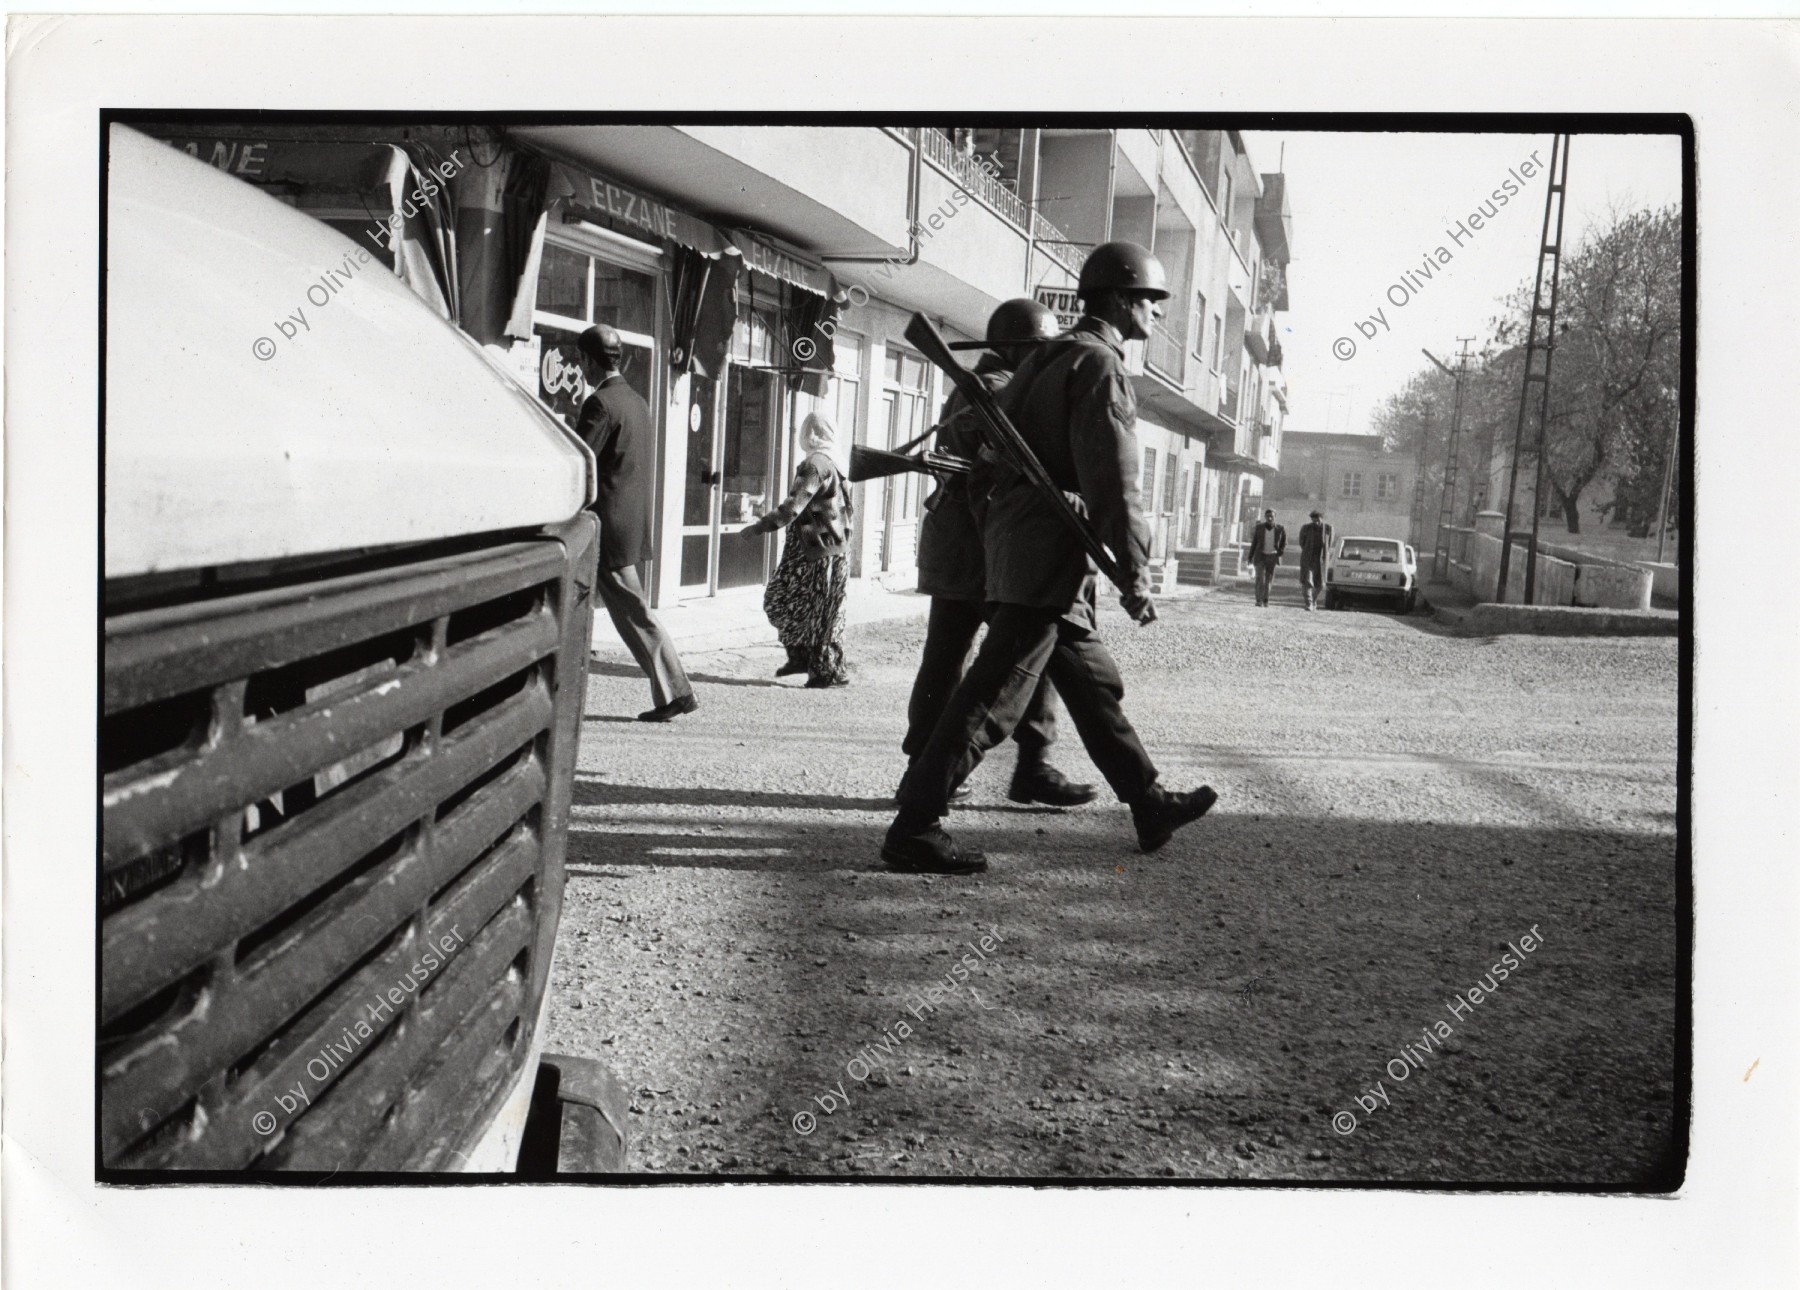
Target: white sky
{"points": [[1367, 207]]}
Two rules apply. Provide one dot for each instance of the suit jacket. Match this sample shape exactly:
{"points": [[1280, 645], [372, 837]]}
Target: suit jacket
{"points": [[1262, 544], [952, 562], [615, 422], [1315, 541], [1073, 403]]}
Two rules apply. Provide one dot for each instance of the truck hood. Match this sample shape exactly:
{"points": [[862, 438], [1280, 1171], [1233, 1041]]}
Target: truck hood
{"points": [[273, 390]]}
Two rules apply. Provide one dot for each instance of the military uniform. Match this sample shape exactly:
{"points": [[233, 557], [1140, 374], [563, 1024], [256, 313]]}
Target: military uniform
{"points": [[952, 571], [1073, 403]]}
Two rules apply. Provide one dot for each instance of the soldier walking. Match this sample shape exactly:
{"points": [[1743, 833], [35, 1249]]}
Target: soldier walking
{"points": [[1073, 402], [952, 571]]}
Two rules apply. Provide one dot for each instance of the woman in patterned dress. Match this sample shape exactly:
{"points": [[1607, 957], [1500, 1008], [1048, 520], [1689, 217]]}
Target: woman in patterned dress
{"points": [[805, 598]]}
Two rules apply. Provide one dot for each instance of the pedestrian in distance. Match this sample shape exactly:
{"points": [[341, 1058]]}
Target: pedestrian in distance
{"points": [[805, 598], [1267, 541], [1073, 403], [953, 572], [615, 422], [1315, 544]]}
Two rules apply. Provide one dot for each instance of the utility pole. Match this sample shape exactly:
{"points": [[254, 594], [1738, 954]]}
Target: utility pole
{"points": [[1416, 524], [1440, 560], [1549, 254], [1662, 508]]}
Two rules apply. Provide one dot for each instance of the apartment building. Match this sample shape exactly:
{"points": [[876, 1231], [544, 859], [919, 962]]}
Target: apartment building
{"points": [[759, 272]]}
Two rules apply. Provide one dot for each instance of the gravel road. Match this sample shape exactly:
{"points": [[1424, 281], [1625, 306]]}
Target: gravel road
{"points": [[1269, 997]]}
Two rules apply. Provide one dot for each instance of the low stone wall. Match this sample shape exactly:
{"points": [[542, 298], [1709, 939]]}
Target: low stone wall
{"points": [[1557, 581], [1612, 586], [1570, 620]]}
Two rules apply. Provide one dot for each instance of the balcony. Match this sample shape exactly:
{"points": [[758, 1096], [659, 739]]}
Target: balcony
{"points": [[980, 181], [1259, 336], [1166, 354]]}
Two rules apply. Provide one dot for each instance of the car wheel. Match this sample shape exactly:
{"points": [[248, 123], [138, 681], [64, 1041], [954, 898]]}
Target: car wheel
{"points": [[1409, 601], [1331, 600]]}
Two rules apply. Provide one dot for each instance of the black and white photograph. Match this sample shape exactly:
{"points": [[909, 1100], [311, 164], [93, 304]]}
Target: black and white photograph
{"points": [[873, 448], [947, 646]]}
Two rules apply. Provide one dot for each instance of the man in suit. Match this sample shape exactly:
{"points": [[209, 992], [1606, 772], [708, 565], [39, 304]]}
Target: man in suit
{"points": [[1072, 401], [1315, 545], [1267, 541], [615, 423]]}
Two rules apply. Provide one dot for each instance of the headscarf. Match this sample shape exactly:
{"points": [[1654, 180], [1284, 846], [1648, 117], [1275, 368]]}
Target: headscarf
{"points": [[817, 434]]}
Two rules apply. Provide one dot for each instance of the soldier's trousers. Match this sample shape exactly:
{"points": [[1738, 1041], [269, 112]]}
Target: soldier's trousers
{"points": [[949, 633], [1024, 644]]}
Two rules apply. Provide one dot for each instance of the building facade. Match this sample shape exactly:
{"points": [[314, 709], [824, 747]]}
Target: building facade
{"points": [[757, 273], [1363, 490]]}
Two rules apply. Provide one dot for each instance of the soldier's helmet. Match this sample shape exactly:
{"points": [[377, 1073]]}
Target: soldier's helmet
{"points": [[1122, 266], [1021, 319]]}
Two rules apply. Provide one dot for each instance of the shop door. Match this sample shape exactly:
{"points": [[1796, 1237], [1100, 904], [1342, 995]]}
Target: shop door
{"points": [[700, 496], [732, 463], [747, 462], [904, 414]]}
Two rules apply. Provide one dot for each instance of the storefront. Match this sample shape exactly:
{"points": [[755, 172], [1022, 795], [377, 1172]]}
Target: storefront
{"points": [[710, 318]]}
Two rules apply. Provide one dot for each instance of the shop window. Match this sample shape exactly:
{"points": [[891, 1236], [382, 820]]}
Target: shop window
{"points": [[907, 395], [576, 290], [563, 282], [624, 299]]}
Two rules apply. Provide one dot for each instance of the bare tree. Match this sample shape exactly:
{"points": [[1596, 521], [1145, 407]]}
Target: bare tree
{"points": [[1612, 395]]}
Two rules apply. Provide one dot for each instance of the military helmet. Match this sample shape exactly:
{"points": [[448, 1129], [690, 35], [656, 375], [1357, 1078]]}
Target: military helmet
{"points": [[1021, 318], [1122, 266]]}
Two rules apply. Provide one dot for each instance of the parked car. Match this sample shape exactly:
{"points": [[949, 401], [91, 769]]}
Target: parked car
{"points": [[346, 623], [1373, 567]]}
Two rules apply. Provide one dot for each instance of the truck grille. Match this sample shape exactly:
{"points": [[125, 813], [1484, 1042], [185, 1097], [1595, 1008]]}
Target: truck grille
{"points": [[334, 819]]}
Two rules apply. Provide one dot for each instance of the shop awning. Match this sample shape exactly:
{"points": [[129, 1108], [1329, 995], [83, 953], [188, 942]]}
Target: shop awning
{"points": [[1239, 462], [626, 209], [766, 255]]}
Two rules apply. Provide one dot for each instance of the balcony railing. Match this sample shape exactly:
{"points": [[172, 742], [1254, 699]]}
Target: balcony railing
{"points": [[1166, 354], [1056, 244], [965, 171]]}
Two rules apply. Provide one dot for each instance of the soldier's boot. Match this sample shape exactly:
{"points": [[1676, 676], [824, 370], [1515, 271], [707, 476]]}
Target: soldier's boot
{"points": [[912, 846], [1042, 783], [1159, 813]]}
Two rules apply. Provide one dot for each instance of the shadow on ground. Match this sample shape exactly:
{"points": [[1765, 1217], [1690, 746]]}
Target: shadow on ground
{"points": [[1203, 1013]]}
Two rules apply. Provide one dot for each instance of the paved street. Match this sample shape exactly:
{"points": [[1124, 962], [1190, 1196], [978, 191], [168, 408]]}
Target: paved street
{"points": [[1399, 804]]}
